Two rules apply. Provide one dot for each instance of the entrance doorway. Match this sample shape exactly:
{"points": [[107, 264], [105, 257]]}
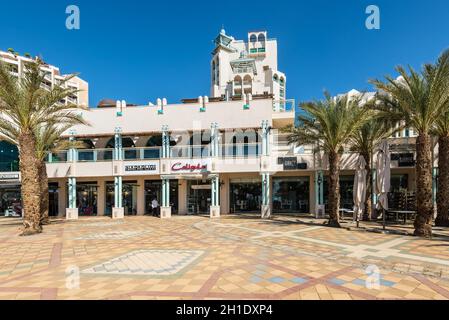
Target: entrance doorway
{"points": [[199, 194], [153, 191], [53, 199], [87, 195], [246, 196]]}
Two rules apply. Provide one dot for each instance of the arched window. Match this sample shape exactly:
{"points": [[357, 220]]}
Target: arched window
{"points": [[275, 78], [253, 38], [282, 81], [261, 37]]}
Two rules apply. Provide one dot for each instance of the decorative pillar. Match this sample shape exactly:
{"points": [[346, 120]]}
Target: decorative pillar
{"points": [[434, 186], [118, 212], [266, 196], [215, 182], [165, 201], [319, 194], [72, 210], [215, 197], [266, 179], [265, 138]]}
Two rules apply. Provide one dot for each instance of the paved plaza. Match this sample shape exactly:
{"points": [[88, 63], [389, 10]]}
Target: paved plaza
{"points": [[228, 258]]}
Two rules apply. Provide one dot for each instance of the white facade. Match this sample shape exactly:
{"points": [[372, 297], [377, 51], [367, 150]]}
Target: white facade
{"points": [[246, 67]]}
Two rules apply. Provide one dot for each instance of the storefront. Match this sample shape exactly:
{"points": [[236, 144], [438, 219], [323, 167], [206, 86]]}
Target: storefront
{"points": [[399, 182], [87, 196], [291, 194], [10, 200], [129, 197], [153, 190], [346, 192], [245, 195], [199, 194], [53, 199]]}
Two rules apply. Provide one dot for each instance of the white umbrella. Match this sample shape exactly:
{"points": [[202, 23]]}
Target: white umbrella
{"points": [[383, 176], [359, 192]]}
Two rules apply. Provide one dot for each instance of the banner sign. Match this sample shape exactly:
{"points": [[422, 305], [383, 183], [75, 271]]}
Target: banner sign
{"points": [[138, 168]]}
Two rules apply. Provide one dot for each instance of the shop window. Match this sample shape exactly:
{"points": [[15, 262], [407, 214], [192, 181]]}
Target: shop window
{"points": [[87, 196], [153, 190], [246, 196], [291, 195], [346, 192], [10, 201], [129, 197]]}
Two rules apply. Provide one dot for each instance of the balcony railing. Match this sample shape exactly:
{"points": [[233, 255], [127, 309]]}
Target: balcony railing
{"points": [[237, 150], [287, 105]]}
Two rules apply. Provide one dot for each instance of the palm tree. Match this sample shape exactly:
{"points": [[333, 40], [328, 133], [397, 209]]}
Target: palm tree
{"points": [[330, 124], [442, 131], [24, 106], [364, 142], [418, 99], [48, 139]]}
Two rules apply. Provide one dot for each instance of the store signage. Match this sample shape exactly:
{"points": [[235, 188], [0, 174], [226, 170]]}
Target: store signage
{"points": [[406, 159], [136, 168], [291, 163], [9, 176], [189, 167]]}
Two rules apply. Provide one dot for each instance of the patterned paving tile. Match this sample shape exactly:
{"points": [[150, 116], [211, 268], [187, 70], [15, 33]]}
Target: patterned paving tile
{"points": [[147, 263], [113, 235], [229, 258]]}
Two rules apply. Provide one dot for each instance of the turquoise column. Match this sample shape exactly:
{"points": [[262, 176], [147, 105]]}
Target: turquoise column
{"points": [[265, 137], [266, 187], [434, 185], [215, 199], [214, 152], [266, 181], [165, 201], [118, 180], [72, 157], [72, 192], [319, 187], [215, 143], [165, 143]]}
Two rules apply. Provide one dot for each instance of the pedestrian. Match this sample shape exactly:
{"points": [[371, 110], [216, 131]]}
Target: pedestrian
{"points": [[154, 207]]}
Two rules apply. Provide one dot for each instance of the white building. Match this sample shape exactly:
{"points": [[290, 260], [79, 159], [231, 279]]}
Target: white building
{"points": [[213, 155], [239, 68], [16, 63]]}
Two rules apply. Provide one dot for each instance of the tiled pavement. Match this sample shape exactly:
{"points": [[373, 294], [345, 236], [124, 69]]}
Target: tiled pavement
{"points": [[229, 258]]}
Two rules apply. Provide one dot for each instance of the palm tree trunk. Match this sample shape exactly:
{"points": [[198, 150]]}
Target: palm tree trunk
{"points": [[442, 219], [368, 207], [30, 184], [423, 227], [334, 189], [43, 180]]}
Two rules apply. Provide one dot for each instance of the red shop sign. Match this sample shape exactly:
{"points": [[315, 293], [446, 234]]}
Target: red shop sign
{"points": [[188, 167]]}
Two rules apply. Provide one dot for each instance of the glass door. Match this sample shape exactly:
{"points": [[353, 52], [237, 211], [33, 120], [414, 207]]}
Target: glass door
{"points": [[199, 197]]}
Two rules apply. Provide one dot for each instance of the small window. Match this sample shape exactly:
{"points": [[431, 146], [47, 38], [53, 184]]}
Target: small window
{"points": [[253, 38], [261, 38]]}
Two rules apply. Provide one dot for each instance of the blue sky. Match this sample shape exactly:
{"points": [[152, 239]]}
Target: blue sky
{"points": [[138, 51]]}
